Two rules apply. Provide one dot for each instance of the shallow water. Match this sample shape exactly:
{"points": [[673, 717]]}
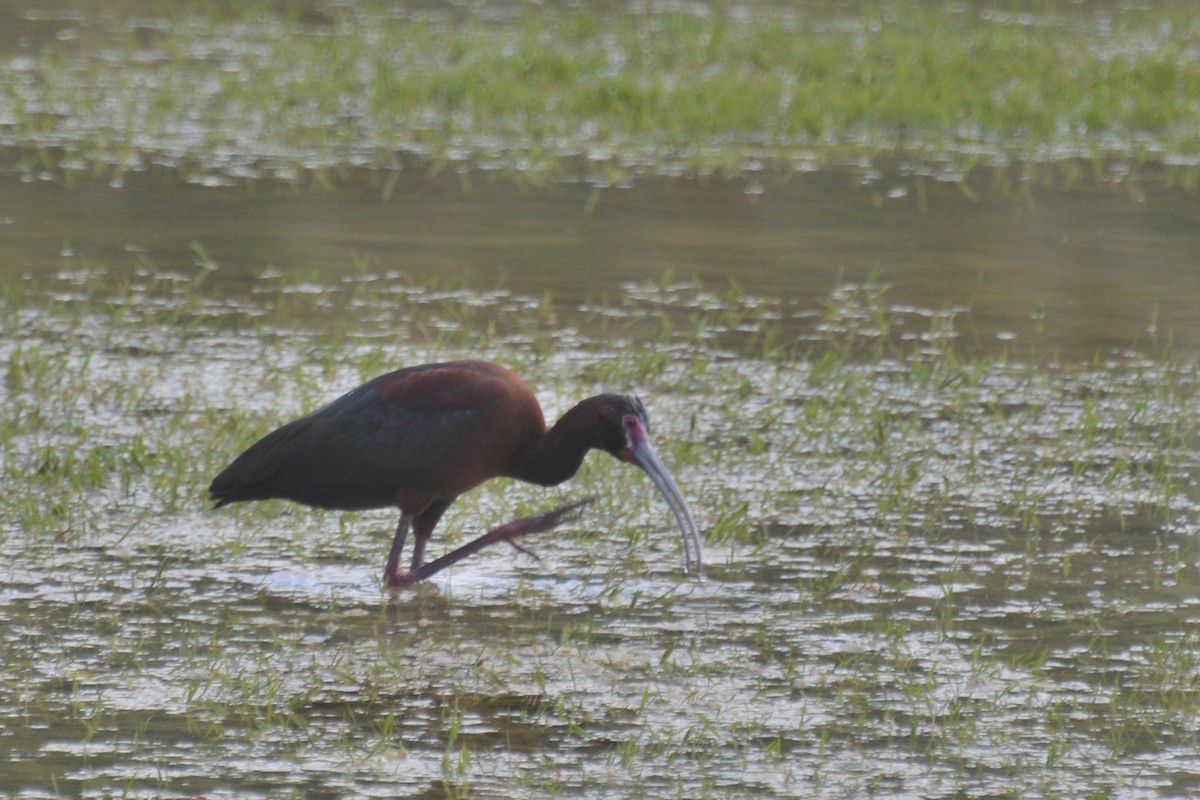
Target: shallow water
{"points": [[950, 525], [1094, 270], [928, 576]]}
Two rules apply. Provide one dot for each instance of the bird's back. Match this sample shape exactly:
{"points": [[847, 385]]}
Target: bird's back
{"points": [[403, 439]]}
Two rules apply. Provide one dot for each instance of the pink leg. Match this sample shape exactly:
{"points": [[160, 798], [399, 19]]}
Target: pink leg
{"points": [[393, 562], [419, 547], [505, 533]]}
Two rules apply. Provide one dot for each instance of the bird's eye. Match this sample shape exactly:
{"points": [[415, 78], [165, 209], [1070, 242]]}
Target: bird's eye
{"points": [[633, 427]]}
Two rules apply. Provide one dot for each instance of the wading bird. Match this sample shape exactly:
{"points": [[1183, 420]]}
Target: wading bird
{"points": [[419, 437]]}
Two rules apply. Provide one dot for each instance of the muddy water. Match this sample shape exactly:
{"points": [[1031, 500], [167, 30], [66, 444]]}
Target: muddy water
{"points": [[925, 580], [1092, 270]]}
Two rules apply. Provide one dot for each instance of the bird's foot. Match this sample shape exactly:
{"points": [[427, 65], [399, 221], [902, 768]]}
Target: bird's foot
{"points": [[542, 522], [508, 532], [525, 550], [396, 580]]}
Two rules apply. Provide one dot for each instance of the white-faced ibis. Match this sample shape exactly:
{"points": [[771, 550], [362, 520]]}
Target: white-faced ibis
{"points": [[419, 437]]}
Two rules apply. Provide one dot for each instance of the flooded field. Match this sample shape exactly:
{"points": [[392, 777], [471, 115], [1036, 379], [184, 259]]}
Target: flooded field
{"points": [[951, 525], [939, 428]]}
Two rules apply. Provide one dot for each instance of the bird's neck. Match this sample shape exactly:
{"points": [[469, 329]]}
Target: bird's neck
{"points": [[557, 454]]}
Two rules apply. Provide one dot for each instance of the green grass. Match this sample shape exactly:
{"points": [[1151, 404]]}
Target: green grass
{"points": [[606, 95]]}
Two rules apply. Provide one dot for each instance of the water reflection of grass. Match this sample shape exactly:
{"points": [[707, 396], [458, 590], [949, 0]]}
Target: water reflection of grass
{"points": [[243, 91], [932, 571]]}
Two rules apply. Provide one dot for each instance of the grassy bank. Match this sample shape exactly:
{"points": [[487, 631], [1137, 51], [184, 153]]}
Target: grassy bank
{"points": [[605, 94]]}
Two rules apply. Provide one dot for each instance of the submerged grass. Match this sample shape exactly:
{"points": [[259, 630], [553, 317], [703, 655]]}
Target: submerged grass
{"points": [[605, 93], [931, 571]]}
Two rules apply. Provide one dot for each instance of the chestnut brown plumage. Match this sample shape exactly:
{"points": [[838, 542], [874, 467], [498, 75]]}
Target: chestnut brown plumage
{"points": [[418, 438]]}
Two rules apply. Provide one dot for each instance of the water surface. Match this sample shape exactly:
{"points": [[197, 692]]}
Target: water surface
{"points": [[950, 525], [1095, 269]]}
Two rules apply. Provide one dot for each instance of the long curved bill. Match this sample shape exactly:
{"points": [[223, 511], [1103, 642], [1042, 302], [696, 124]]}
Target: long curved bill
{"points": [[641, 453]]}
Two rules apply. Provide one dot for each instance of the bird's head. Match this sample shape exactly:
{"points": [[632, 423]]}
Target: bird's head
{"points": [[625, 431], [618, 415]]}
